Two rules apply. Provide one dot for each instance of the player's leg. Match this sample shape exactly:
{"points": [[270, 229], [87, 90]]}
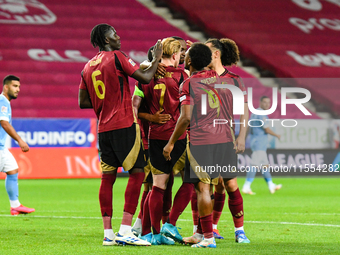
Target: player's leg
{"points": [[246, 189], [137, 226], [161, 170], [219, 198], [10, 167], [167, 198], [266, 172], [205, 213], [235, 203], [127, 151]]}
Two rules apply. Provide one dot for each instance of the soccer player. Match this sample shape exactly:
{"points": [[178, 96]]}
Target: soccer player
{"points": [[258, 144], [208, 145], [159, 118], [8, 165], [104, 87], [225, 53], [162, 94]]}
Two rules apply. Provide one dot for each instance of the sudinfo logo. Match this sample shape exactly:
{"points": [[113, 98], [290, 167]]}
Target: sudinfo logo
{"points": [[25, 12]]}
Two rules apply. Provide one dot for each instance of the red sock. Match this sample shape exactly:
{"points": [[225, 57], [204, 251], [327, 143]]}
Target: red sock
{"points": [[132, 192], [156, 207], [145, 193], [105, 194], [235, 202], [206, 223], [194, 207], [218, 207], [167, 200], [146, 222], [181, 201], [199, 226]]}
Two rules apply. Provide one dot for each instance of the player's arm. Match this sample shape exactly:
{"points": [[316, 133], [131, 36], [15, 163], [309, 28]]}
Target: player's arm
{"points": [[146, 75], [157, 118], [181, 126], [12, 133], [240, 143], [84, 100], [271, 132]]}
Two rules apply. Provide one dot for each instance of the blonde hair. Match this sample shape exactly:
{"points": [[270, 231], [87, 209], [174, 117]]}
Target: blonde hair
{"points": [[170, 46]]}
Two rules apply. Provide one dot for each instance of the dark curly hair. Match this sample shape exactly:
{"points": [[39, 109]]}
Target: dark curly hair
{"points": [[98, 35], [200, 55], [230, 54]]}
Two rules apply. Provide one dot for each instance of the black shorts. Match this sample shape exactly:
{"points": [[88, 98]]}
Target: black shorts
{"points": [[158, 163], [147, 168], [121, 147], [206, 163]]}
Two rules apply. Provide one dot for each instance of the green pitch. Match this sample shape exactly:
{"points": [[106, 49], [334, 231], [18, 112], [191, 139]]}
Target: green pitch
{"points": [[301, 218]]}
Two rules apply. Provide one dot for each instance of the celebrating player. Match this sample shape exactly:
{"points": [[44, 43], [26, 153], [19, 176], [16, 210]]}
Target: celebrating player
{"points": [[162, 94], [259, 140], [104, 87], [8, 165], [208, 145]]}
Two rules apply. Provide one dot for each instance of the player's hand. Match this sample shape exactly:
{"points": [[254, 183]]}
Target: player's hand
{"points": [[278, 137], [158, 50], [160, 118], [24, 146], [189, 43], [167, 151], [240, 145], [161, 69]]}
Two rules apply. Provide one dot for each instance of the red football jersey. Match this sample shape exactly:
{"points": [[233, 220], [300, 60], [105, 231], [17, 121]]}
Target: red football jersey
{"points": [[163, 93], [230, 78], [202, 128], [105, 77]]}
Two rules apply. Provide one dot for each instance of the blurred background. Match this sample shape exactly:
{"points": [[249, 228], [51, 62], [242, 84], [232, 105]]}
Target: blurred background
{"points": [[282, 43]]}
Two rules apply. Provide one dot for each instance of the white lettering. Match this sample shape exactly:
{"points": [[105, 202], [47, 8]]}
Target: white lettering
{"points": [[51, 55]]}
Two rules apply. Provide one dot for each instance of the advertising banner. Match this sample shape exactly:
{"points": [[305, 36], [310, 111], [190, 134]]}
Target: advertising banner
{"points": [[56, 132]]}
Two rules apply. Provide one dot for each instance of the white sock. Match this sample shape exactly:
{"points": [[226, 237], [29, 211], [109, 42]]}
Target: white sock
{"points": [[195, 228], [214, 226], [247, 185], [137, 224], [14, 203], [209, 239], [198, 235], [109, 234], [270, 184], [124, 229], [240, 228]]}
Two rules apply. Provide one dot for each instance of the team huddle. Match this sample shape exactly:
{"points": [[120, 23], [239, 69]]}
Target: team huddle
{"points": [[164, 130]]}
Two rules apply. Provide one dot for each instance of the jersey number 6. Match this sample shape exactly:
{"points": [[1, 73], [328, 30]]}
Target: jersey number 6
{"points": [[97, 84]]}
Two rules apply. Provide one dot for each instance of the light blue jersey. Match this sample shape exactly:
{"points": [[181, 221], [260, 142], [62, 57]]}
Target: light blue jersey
{"points": [[259, 138], [5, 114]]}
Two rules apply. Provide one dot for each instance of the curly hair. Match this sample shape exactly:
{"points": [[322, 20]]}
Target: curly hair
{"points": [[230, 53], [200, 55], [98, 35]]}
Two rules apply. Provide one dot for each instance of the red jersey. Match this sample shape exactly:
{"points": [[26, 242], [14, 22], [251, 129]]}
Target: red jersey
{"points": [[163, 93], [105, 77], [230, 78], [202, 128]]}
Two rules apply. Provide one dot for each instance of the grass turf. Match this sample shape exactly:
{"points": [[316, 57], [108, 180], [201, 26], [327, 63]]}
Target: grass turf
{"points": [[302, 218]]}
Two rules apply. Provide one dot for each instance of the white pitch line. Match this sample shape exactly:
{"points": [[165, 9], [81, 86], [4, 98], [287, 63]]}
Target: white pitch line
{"points": [[186, 220]]}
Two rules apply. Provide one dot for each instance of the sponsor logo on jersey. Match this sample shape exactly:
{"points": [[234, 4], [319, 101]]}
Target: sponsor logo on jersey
{"points": [[25, 12], [132, 62], [3, 109]]}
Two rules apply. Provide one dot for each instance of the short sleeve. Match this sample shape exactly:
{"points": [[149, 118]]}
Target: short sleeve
{"points": [[266, 123], [4, 110], [127, 64], [185, 97], [243, 89], [82, 84]]}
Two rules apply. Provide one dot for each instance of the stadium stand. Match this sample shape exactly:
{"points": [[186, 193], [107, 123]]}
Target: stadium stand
{"points": [[48, 44], [292, 39]]}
